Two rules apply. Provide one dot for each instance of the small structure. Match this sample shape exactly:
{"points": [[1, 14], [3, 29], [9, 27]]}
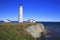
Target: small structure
{"points": [[7, 21], [31, 21]]}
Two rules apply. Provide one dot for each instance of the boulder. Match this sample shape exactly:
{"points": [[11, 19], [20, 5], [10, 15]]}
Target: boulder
{"points": [[35, 30]]}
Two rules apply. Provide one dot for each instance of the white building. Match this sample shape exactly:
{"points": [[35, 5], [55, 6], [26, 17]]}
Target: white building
{"points": [[20, 15], [7, 21], [31, 21]]}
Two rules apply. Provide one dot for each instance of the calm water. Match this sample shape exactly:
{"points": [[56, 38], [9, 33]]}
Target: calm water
{"points": [[55, 30]]}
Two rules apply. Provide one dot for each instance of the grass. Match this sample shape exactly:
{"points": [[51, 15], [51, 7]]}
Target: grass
{"points": [[14, 31]]}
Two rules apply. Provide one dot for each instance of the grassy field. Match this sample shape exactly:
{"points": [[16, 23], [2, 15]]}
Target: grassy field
{"points": [[14, 31]]}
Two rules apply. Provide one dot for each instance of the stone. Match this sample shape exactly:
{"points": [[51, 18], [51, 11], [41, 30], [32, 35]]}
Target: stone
{"points": [[35, 30]]}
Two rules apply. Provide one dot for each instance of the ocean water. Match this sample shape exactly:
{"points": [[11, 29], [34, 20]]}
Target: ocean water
{"points": [[54, 27]]}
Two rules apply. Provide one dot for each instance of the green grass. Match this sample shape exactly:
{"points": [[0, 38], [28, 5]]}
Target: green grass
{"points": [[14, 31]]}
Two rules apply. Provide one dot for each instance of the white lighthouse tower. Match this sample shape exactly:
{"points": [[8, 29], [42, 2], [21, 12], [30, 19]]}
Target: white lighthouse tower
{"points": [[20, 15]]}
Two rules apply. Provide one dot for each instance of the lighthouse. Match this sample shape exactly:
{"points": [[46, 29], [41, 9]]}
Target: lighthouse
{"points": [[20, 15]]}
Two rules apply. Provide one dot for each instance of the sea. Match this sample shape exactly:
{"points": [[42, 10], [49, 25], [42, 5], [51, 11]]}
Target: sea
{"points": [[54, 27]]}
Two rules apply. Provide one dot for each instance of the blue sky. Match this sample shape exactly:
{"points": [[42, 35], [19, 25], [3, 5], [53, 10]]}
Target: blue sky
{"points": [[39, 10]]}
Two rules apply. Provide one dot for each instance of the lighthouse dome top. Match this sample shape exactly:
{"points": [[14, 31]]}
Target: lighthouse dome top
{"points": [[20, 3]]}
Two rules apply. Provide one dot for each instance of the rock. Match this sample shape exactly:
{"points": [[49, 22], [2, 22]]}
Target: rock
{"points": [[47, 31], [35, 30]]}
